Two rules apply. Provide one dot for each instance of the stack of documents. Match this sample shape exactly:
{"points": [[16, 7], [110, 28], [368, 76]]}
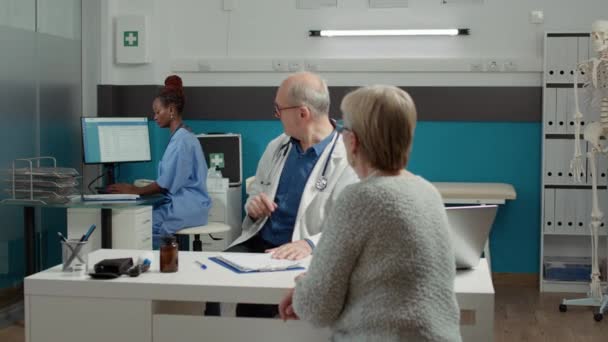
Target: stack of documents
{"points": [[49, 185], [256, 262]]}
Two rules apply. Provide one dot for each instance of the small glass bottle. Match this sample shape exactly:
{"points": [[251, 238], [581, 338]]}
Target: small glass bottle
{"points": [[168, 254]]}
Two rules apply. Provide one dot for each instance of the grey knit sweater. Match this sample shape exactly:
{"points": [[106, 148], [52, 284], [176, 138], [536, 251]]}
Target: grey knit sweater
{"points": [[384, 267]]}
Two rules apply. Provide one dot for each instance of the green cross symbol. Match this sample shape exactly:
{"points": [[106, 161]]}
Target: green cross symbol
{"points": [[130, 38], [216, 159]]}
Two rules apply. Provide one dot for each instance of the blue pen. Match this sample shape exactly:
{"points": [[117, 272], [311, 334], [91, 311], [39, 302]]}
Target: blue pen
{"points": [[203, 266], [86, 236]]}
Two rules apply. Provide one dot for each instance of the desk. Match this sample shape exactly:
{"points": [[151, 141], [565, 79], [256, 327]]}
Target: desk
{"points": [[62, 307], [29, 222]]}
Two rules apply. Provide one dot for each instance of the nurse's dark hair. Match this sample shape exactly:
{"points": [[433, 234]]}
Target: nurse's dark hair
{"points": [[172, 93]]}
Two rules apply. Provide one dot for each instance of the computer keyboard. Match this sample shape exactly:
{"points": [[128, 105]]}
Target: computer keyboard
{"points": [[110, 197]]}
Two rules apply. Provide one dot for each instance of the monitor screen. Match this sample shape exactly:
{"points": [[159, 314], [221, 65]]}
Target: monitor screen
{"points": [[115, 140]]}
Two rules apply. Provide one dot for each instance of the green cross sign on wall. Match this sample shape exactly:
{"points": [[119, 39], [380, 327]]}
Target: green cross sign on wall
{"points": [[130, 38], [217, 160]]}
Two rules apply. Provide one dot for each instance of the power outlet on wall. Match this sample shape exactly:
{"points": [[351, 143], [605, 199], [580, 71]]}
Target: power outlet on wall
{"points": [[311, 66], [509, 65], [493, 65], [477, 66], [280, 65], [295, 65]]}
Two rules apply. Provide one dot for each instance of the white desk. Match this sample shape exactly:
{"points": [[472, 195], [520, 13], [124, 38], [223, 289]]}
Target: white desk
{"points": [[63, 307]]}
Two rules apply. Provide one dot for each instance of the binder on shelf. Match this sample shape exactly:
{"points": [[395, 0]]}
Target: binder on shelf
{"points": [[570, 197], [560, 211], [564, 151], [583, 211], [550, 105], [549, 211], [562, 113], [549, 174]]}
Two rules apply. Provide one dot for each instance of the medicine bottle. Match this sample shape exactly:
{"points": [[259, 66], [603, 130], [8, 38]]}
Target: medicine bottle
{"points": [[168, 254]]}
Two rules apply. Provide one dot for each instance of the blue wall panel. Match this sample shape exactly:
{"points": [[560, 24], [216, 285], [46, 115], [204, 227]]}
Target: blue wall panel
{"points": [[443, 151]]}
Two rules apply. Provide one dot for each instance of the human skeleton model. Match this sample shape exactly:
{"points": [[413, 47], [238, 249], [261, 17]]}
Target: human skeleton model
{"points": [[595, 79]]}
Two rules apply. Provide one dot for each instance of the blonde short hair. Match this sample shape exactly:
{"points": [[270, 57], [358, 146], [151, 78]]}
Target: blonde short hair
{"points": [[383, 118]]}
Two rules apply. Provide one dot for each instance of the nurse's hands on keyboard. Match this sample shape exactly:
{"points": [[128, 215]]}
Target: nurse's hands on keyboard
{"points": [[123, 188]]}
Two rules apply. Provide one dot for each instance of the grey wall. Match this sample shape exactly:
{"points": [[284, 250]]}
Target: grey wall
{"points": [[519, 104]]}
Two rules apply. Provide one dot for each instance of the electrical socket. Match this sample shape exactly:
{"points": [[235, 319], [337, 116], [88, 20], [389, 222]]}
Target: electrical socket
{"points": [[311, 66], [204, 66], [279, 65], [493, 66], [477, 66], [509, 65], [295, 65], [537, 17]]}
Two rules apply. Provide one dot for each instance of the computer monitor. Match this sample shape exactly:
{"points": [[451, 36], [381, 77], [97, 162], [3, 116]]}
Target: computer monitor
{"points": [[115, 140]]}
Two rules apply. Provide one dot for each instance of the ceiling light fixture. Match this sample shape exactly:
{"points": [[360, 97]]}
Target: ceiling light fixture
{"points": [[371, 33]]}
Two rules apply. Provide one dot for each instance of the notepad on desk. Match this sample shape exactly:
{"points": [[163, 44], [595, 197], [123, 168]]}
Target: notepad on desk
{"points": [[256, 262]]}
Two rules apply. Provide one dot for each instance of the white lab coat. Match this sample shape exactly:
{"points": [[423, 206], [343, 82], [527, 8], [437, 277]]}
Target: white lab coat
{"points": [[314, 204]]}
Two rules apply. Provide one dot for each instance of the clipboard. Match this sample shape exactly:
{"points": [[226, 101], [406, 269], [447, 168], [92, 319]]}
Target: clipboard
{"points": [[240, 271]]}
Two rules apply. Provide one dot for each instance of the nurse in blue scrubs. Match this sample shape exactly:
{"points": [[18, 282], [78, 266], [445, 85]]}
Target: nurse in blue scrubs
{"points": [[182, 171]]}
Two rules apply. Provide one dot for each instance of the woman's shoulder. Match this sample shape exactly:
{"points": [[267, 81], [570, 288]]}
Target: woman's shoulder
{"points": [[186, 136], [183, 141], [363, 191], [403, 186]]}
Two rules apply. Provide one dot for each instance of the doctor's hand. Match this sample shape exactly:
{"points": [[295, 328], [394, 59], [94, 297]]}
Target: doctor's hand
{"points": [[123, 188], [286, 307], [260, 206], [291, 251]]}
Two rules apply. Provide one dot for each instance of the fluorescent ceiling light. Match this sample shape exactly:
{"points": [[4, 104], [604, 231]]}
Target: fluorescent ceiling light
{"points": [[369, 33]]}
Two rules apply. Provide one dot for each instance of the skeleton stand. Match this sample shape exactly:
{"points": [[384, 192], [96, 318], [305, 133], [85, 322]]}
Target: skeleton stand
{"points": [[593, 133]]}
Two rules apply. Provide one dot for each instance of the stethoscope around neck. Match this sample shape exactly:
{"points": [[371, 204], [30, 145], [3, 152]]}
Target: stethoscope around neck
{"points": [[281, 154]]}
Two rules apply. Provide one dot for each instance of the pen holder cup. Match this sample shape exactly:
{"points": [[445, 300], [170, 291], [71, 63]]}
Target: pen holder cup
{"points": [[75, 255]]}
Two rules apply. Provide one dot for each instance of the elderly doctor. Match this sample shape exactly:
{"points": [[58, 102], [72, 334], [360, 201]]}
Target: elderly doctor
{"points": [[298, 179], [299, 176]]}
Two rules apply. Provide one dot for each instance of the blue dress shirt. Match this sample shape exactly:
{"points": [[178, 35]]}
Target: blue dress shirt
{"points": [[278, 229]]}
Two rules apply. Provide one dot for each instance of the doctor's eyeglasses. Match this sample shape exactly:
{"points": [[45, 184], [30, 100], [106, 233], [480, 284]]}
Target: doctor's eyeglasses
{"points": [[277, 110]]}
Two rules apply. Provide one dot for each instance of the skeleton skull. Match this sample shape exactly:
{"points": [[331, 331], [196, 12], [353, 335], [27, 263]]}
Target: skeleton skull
{"points": [[599, 35]]}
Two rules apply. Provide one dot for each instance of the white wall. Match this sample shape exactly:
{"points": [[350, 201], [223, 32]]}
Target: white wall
{"points": [[18, 14], [257, 32], [59, 18]]}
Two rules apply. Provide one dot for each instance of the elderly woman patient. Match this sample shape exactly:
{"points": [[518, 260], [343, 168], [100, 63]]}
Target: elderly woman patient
{"points": [[384, 268]]}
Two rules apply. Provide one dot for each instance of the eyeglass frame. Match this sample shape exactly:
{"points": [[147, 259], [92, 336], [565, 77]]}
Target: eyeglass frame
{"points": [[343, 128], [277, 110]]}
